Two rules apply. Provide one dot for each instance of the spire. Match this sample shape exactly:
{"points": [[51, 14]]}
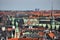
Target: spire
{"points": [[52, 16], [16, 24], [17, 31], [13, 21]]}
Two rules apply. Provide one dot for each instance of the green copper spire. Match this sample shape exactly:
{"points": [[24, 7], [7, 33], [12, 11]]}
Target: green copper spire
{"points": [[17, 29], [13, 20], [9, 18], [16, 24]]}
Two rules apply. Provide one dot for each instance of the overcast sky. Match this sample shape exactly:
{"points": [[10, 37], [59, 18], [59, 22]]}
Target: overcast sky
{"points": [[29, 4]]}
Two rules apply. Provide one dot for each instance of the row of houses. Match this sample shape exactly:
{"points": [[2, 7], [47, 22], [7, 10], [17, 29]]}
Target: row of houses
{"points": [[39, 13], [45, 13]]}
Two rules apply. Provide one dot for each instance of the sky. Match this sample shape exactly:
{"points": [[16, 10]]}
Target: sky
{"points": [[29, 4]]}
